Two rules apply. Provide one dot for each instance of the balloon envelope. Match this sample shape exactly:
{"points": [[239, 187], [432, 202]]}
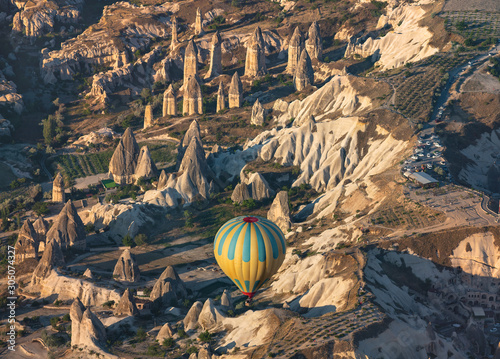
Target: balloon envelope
{"points": [[249, 250]]}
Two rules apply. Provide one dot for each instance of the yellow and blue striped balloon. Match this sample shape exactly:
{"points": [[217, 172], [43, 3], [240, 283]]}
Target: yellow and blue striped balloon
{"points": [[249, 250]]}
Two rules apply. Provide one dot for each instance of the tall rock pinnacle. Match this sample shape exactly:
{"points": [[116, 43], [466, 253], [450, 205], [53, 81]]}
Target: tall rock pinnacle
{"points": [[295, 48], [148, 116], [190, 61], [235, 92], [124, 159], [174, 42], [314, 45], [169, 102], [58, 194], [255, 63], [193, 100], [198, 25], [304, 73], [215, 56]]}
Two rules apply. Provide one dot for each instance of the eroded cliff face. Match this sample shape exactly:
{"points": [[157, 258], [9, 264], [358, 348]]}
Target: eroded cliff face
{"points": [[37, 18], [409, 40], [110, 42]]}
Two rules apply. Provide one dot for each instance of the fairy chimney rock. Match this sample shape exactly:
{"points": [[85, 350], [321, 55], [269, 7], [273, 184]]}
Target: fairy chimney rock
{"points": [[164, 333], [221, 98], [68, 229], [169, 288], [193, 131], [295, 48], [126, 268], [198, 25], [174, 42], [215, 56], [314, 46], [255, 63], [193, 101], [148, 116], [304, 73], [146, 168], [240, 193], [226, 300], [190, 321], [126, 305], [235, 92], [190, 61], [88, 273], [169, 102], [124, 159], [58, 194], [52, 257], [27, 243], [258, 114], [162, 181]]}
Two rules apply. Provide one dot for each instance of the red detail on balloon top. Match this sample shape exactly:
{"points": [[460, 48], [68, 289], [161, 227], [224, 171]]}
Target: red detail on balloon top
{"points": [[249, 295], [250, 219]]}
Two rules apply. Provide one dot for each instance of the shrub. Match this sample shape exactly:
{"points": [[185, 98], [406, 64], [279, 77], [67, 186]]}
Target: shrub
{"points": [[140, 239], [168, 342], [205, 336], [127, 240], [141, 334], [191, 350]]}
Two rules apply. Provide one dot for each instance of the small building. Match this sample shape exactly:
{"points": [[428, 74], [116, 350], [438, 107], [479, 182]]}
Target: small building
{"points": [[478, 312], [422, 178], [143, 304]]}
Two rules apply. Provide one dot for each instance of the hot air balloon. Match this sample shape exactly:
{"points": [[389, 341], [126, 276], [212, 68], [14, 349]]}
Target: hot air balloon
{"points": [[249, 251]]}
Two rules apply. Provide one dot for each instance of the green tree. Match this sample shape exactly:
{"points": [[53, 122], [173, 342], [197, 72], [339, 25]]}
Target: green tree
{"points": [[141, 334], [49, 130], [205, 336], [140, 239], [168, 342], [127, 240]]}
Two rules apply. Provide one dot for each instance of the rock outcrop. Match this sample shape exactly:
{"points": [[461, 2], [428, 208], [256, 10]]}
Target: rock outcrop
{"points": [[295, 47], [88, 273], [126, 305], [215, 56], [304, 73], [226, 300], [198, 25], [169, 289], [52, 257], [314, 45], [190, 62], [124, 159], [122, 28], [193, 100], [58, 194], [174, 42], [209, 316], [255, 63], [221, 98], [162, 181], [279, 212], [41, 228], [258, 114], [87, 330], [148, 116], [146, 168], [255, 187], [39, 17], [126, 269], [194, 180], [240, 193], [27, 242], [68, 229], [235, 92], [169, 102], [164, 333], [190, 321], [259, 188]]}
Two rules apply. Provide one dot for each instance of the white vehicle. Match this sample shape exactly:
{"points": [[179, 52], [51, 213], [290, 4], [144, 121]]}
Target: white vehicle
{"points": [[428, 143], [420, 154], [414, 157], [428, 155], [429, 166], [437, 144]]}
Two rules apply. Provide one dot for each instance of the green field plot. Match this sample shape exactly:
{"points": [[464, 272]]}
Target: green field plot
{"points": [[75, 166]]}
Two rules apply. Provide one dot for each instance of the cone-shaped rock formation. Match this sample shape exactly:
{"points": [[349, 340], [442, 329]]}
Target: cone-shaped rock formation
{"points": [[193, 100], [279, 212], [27, 242], [52, 257], [304, 73], [235, 92], [215, 56], [169, 288], [258, 114], [295, 47], [126, 305], [190, 62], [169, 102], [314, 45], [124, 159], [221, 98], [68, 229], [126, 269], [146, 168], [255, 63]]}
